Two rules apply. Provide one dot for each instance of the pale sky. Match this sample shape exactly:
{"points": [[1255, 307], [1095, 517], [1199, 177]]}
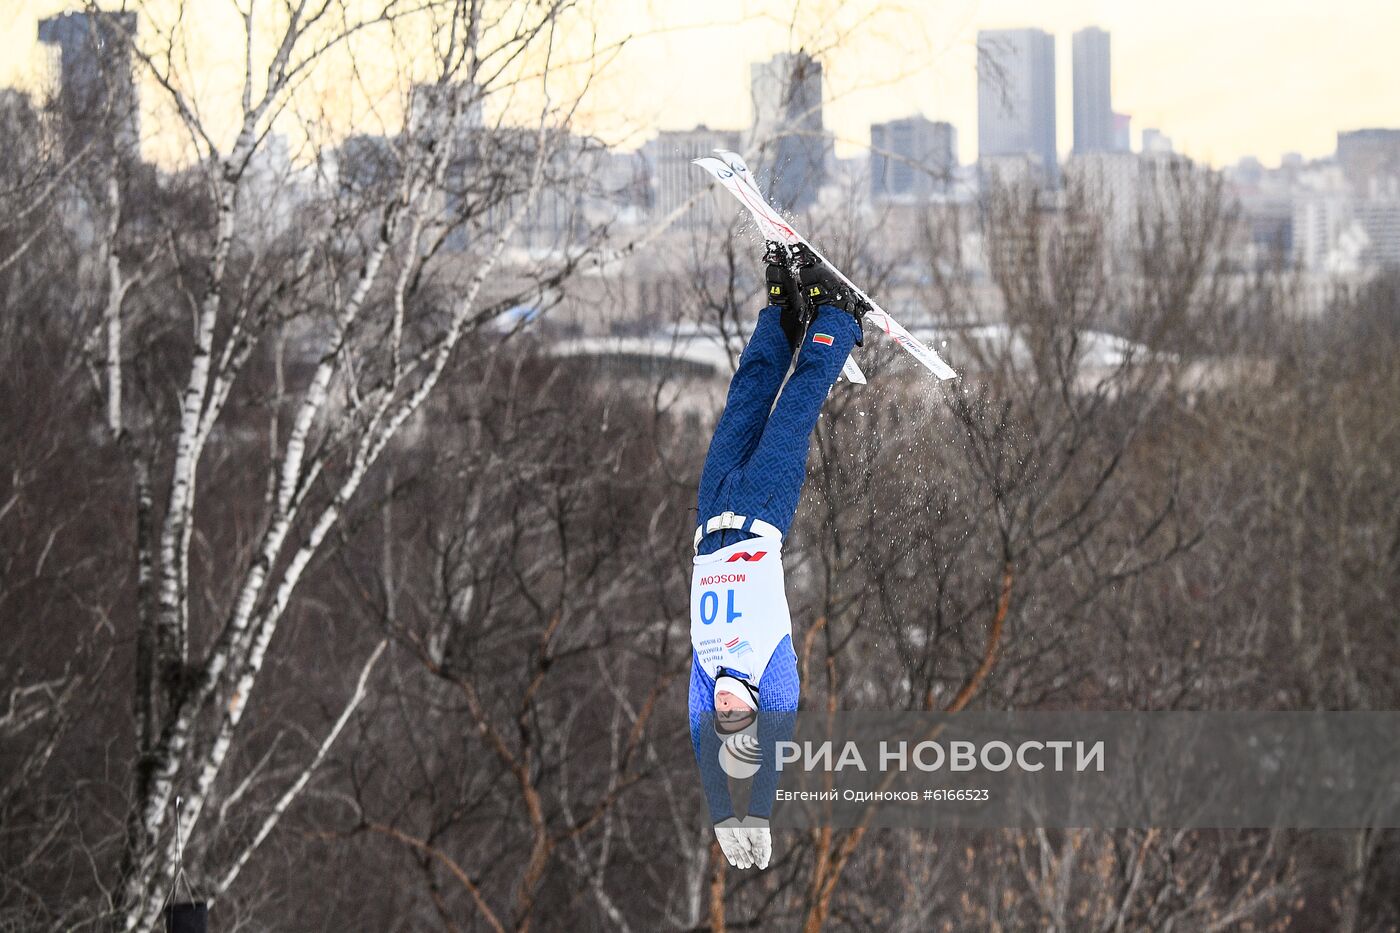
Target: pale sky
{"points": [[1223, 78]]}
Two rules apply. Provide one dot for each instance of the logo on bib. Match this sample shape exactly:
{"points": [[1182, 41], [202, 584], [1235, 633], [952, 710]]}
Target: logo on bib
{"points": [[745, 555], [739, 648]]}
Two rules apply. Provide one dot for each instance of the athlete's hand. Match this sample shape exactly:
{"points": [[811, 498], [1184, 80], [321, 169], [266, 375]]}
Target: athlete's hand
{"points": [[758, 840], [733, 842], [746, 843]]}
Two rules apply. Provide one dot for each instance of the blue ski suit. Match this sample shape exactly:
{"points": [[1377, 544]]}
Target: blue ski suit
{"points": [[756, 465]]}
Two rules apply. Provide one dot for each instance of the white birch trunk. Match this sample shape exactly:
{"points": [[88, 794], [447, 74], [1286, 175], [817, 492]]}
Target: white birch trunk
{"points": [[179, 753]]}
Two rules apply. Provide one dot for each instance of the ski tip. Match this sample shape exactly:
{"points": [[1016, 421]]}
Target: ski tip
{"points": [[714, 166], [734, 161]]}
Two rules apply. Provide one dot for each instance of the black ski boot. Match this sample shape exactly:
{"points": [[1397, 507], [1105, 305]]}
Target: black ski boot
{"points": [[782, 291], [819, 285]]}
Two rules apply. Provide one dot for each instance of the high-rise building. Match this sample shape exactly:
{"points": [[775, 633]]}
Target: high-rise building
{"points": [[431, 101], [97, 92], [1122, 132], [787, 128], [1093, 99], [1248, 172], [1016, 97], [1370, 159], [1155, 142], [911, 158], [674, 180], [1326, 234], [1380, 218]]}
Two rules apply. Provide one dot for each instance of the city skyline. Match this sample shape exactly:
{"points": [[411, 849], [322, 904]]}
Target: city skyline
{"points": [[1295, 78], [1294, 75]]}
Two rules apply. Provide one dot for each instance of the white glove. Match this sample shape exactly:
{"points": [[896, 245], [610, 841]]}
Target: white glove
{"points": [[733, 842], [758, 840], [746, 843]]}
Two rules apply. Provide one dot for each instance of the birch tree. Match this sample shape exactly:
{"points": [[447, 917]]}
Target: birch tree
{"points": [[338, 326]]}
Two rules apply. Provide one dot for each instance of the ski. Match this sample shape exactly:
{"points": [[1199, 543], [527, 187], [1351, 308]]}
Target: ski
{"points": [[774, 228], [732, 172]]}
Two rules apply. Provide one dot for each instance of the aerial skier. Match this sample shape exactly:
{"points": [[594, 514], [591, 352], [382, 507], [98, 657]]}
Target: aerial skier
{"points": [[743, 675]]}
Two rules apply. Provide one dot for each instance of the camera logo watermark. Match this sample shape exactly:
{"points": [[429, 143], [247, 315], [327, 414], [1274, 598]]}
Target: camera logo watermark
{"points": [[740, 756]]}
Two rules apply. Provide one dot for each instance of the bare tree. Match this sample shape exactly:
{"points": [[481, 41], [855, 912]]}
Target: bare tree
{"points": [[318, 342]]}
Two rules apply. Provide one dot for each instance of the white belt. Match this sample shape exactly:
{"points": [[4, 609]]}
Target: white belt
{"points": [[728, 520]]}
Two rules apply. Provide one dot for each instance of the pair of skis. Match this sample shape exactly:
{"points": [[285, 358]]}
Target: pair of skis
{"points": [[732, 171]]}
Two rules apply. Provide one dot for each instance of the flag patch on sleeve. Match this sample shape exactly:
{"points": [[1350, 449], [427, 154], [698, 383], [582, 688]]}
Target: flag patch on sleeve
{"points": [[823, 338]]}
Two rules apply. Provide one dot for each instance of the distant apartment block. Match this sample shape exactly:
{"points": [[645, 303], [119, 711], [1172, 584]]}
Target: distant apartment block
{"points": [[1370, 159], [1016, 98], [1155, 142], [787, 131], [1111, 187], [1093, 98], [674, 181], [97, 91], [1324, 236], [1122, 132], [1110, 179], [432, 103], [1268, 222], [911, 159], [1379, 217]]}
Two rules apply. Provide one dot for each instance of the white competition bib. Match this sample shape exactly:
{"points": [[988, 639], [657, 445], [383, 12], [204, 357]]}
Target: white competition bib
{"points": [[738, 608]]}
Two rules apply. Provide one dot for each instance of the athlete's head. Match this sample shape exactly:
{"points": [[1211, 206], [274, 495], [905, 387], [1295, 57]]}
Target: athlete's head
{"points": [[736, 703]]}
